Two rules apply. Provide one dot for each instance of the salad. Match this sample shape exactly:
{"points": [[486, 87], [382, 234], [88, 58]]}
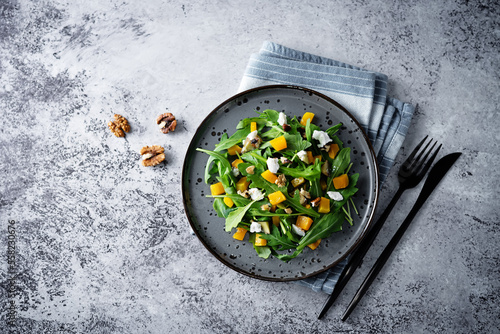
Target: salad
{"points": [[283, 182]]}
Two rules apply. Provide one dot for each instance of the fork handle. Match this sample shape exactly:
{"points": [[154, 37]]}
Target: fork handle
{"points": [[357, 257]]}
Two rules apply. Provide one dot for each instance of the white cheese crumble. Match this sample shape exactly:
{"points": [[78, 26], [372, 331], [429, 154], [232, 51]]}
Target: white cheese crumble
{"points": [[255, 194], [272, 165], [303, 156], [255, 227], [282, 118], [252, 135], [335, 195], [236, 171], [298, 230], [322, 137]]}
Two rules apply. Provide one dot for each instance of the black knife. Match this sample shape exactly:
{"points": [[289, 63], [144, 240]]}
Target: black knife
{"points": [[435, 175]]}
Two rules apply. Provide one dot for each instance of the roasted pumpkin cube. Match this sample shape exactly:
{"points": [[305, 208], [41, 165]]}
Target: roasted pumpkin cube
{"points": [[278, 143], [304, 222], [269, 176], [217, 189], [305, 117], [259, 241], [297, 181], [242, 184], [276, 197], [240, 233], [324, 205], [229, 202], [236, 162], [322, 183], [253, 126], [341, 182], [332, 152], [234, 149], [310, 157], [314, 245]]}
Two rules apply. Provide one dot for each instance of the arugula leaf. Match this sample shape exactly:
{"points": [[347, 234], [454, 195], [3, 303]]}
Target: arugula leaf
{"points": [[221, 208], [323, 228], [278, 241], [310, 172], [262, 251], [341, 162], [272, 115], [236, 138], [236, 216], [295, 142], [225, 164], [246, 122], [333, 130]]}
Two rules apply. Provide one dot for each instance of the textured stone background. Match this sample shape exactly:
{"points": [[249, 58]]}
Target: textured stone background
{"points": [[103, 245]]}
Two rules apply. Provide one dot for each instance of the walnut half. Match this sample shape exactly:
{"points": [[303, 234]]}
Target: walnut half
{"points": [[152, 155], [119, 126], [166, 122]]}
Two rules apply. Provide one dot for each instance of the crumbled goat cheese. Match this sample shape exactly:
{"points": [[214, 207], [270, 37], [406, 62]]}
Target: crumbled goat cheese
{"points": [[303, 156], [255, 194], [255, 227], [272, 165], [252, 135], [298, 230], [322, 137], [236, 171], [335, 195], [282, 118]]}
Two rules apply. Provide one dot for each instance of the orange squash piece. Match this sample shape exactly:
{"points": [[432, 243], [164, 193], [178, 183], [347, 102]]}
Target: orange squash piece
{"points": [[305, 117], [276, 197], [240, 233], [278, 143], [276, 221], [314, 245], [217, 189], [310, 157], [324, 205], [332, 152], [304, 222], [229, 202], [269, 176], [253, 126], [259, 241], [234, 149], [341, 182], [242, 184], [236, 162]]}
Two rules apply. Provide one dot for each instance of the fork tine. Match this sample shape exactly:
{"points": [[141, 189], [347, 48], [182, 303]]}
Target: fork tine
{"points": [[415, 150], [429, 162]]}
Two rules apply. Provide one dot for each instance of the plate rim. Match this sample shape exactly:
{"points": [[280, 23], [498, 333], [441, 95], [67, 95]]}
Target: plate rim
{"points": [[372, 155]]}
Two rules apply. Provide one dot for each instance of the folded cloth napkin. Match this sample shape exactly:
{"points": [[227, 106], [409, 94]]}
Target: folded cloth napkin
{"points": [[363, 93]]}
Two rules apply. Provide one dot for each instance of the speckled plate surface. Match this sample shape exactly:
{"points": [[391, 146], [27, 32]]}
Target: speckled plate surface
{"points": [[209, 228]]}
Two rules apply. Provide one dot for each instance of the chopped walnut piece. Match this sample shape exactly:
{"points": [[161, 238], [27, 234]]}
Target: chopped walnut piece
{"points": [[250, 170], [265, 207], [315, 202], [166, 122], [285, 160], [152, 155], [288, 210], [243, 193], [281, 180], [286, 127], [304, 195], [119, 126]]}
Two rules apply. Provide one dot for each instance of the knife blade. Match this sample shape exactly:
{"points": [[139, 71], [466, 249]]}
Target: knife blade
{"points": [[438, 171]]}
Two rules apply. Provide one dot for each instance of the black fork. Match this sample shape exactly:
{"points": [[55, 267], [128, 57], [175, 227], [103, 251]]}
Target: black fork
{"points": [[410, 174]]}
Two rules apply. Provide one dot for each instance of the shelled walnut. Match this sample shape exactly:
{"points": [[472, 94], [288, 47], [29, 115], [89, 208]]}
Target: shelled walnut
{"points": [[119, 126], [166, 122], [152, 155]]}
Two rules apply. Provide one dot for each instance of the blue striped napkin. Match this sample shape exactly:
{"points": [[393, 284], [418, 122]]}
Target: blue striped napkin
{"points": [[363, 93]]}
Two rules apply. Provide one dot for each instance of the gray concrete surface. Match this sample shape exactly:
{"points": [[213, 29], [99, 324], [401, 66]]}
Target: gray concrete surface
{"points": [[102, 244]]}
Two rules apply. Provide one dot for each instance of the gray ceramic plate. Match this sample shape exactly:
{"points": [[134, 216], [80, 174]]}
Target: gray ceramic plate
{"points": [[209, 228]]}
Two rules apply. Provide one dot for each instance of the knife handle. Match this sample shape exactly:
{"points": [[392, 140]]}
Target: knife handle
{"points": [[357, 257]]}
